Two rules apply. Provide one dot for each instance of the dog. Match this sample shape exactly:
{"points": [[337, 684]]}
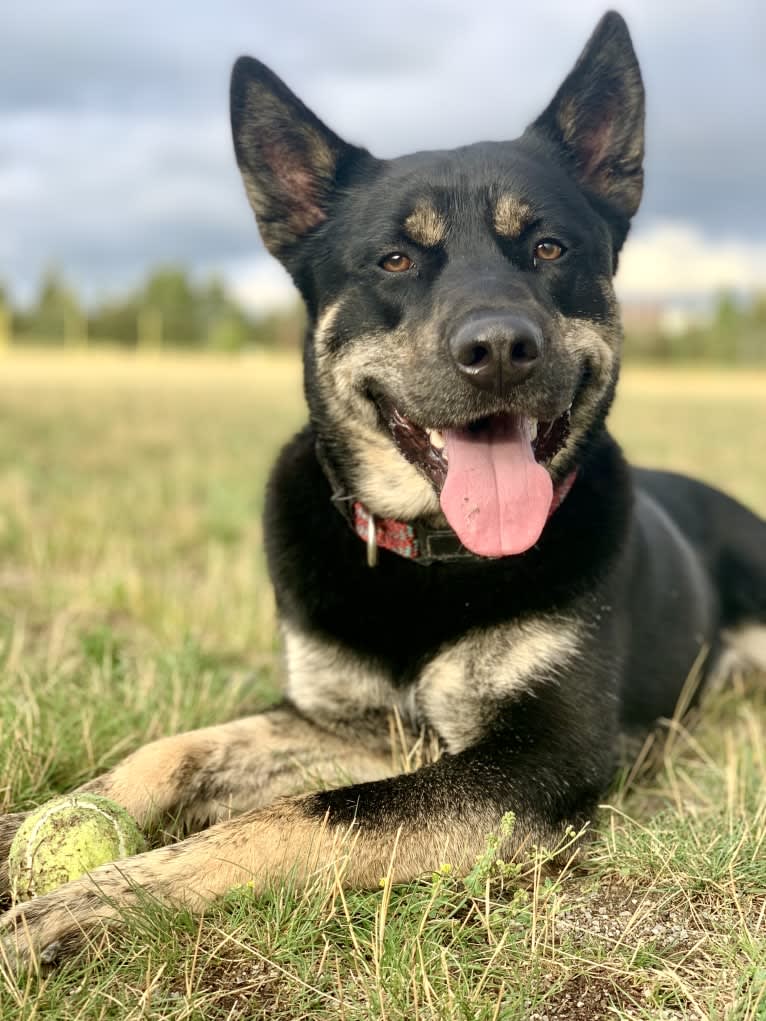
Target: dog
{"points": [[454, 537]]}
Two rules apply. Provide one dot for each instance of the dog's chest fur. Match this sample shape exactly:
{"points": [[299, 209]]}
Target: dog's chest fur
{"points": [[455, 694]]}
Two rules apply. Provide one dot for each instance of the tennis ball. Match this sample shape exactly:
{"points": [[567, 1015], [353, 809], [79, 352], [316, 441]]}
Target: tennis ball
{"points": [[66, 838]]}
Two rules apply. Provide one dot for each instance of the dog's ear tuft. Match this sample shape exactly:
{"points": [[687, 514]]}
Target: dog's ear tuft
{"points": [[597, 117], [289, 160]]}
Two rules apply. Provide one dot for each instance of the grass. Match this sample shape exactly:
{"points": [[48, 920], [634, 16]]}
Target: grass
{"points": [[134, 603]]}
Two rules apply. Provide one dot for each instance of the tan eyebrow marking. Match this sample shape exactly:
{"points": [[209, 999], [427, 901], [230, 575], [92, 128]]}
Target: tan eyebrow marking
{"points": [[425, 226], [511, 216]]}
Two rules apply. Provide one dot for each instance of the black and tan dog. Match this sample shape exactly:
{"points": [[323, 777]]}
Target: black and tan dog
{"points": [[454, 536]]}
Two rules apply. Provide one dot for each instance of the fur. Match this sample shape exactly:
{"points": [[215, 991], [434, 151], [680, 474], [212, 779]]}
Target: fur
{"points": [[512, 681]]}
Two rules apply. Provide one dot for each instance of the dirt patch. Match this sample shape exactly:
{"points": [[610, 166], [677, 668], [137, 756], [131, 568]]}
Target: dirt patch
{"points": [[234, 989], [618, 914], [586, 998]]}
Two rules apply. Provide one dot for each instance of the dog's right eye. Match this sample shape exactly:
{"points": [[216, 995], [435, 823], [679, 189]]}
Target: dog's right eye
{"points": [[548, 250], [395, 262]]}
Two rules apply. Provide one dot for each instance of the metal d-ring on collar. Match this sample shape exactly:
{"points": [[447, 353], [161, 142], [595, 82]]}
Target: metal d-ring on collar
{"points": [[372, 542]]}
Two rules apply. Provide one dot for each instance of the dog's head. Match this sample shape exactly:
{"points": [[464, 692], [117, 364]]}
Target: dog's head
{"points": [[463, 338]]}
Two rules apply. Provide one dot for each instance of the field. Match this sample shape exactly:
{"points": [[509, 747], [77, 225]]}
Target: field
{"points": [[134, 603]]}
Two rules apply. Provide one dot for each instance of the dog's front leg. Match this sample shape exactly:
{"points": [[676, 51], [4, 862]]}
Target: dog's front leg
{"points": [[191, 780], [204, 776], [408, 824]]}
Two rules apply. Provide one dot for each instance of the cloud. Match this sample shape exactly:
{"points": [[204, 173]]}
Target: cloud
{"points": [[262, 285], [141, 55], [128, 193], [114, 141], [676, 260]]}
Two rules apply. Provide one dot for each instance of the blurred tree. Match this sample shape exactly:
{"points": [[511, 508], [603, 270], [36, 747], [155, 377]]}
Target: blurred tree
{"points": [[230, 331], [170, 296], [115, 321], [728, 310], [227, 327], [752, 347], [6, 318], [149, 324], [57, 315], [283, 329]]}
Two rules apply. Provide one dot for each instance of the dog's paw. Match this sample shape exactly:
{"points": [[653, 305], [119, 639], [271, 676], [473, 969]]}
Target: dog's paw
{"points": [[55, 926]]}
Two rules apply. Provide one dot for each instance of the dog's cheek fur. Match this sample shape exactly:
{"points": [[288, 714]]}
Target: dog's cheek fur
{"points": [[595, 346], [346, 420]]}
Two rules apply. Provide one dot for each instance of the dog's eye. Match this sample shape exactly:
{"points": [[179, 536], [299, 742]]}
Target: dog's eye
{"points": [[396, 262], [548, 250]]}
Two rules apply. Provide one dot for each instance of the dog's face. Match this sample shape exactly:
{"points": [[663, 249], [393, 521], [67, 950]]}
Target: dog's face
{"points": [[464, 339]]}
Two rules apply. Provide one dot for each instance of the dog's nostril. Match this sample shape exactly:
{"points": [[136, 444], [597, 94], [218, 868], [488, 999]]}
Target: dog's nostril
{"points": [[478, 355], [524, 351], [472, 354]]}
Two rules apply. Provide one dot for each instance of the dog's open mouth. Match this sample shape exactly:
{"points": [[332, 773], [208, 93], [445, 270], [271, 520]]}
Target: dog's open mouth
{"points": [[491, 476]]}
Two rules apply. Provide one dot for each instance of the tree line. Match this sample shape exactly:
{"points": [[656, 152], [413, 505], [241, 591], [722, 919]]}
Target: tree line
{"points": [[733, 331], [168, 309], [172, 309]]}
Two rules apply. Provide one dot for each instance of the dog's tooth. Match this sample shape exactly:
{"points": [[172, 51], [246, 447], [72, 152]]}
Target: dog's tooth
{"points": [[532, 429], [436, 438]]}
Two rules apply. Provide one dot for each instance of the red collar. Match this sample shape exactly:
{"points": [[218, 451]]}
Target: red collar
{"points": [[418, 542]]}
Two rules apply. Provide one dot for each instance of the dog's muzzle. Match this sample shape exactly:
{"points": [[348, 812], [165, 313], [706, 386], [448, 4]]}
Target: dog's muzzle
{"points": [[497, 352]]}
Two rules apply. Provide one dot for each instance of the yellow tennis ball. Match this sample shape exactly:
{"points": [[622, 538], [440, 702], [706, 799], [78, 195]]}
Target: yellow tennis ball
{"points": [[67, 837]]}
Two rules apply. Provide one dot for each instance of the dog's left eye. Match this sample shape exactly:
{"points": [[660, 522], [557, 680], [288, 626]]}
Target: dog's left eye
{"points": [[548, 250], [396, 262]]}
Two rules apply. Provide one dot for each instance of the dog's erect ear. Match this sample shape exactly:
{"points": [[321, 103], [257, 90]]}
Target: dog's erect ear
{"points": [[289, 160], [597, 117]]}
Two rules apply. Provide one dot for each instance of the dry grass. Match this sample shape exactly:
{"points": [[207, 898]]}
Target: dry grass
{"points": [[134, 603]]}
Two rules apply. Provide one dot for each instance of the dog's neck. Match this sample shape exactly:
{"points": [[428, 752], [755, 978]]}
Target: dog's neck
{"points": [[413, 540]]}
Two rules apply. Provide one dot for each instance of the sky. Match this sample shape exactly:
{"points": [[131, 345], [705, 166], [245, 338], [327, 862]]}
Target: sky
{"points": [[115, 150]]}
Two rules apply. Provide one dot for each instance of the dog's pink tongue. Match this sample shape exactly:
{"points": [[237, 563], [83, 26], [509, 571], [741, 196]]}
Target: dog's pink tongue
{"points": [[496, 496]]}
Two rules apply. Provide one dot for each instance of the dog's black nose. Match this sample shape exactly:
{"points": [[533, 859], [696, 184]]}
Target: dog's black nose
{"points": [[496, 352]]}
